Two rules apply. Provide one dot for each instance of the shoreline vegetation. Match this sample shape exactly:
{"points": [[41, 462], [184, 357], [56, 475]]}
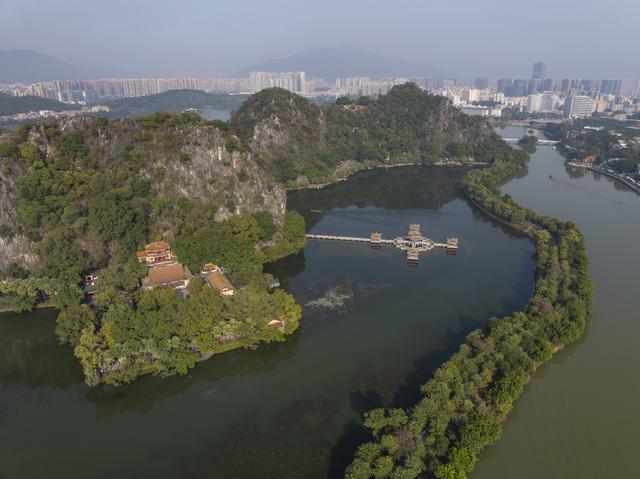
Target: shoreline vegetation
{"points": [[632, 186], [600, 145], [468, 398], [377, 166]]}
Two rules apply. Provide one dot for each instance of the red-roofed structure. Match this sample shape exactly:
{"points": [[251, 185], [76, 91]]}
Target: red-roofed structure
{"points": [[156, 253]]}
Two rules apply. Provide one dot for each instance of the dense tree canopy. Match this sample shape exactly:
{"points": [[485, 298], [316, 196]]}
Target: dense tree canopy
{"points": [[602, 139], [161, 333], [407, 125]]}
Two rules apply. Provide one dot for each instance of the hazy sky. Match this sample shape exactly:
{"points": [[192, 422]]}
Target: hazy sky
{"points": [[495, 38]]}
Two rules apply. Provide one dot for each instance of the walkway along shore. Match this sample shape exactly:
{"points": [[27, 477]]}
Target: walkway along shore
{"points": [[631, 185]]}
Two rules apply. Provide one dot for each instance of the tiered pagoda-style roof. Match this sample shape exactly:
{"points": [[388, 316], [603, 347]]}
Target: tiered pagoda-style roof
{"points": [[376, 237], [414, 233]]}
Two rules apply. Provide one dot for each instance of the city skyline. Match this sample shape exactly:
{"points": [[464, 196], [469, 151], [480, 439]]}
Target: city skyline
{"points": [[164, 39]]}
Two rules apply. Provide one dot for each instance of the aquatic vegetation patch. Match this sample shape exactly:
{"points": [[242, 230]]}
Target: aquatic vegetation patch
{"points": [[334, 298]]}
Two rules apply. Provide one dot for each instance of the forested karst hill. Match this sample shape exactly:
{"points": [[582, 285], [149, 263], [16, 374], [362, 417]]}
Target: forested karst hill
{"points": [[86, 190], [294, 137]]}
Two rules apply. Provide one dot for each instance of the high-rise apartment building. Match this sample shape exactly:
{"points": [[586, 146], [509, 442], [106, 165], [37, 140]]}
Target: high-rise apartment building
{"points": [[578, 106], [534, 103], [548, 84], [469, 95], [613, 87], [520, 88], [542, 103], [535, 86], [292, 81], [482, 83], [75, 90], [426, 83], [539, 71], [504, 86]]}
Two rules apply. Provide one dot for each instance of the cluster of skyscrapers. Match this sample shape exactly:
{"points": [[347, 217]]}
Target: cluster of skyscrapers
{"points": [[538, 94], [539, 82], [93, 90]]}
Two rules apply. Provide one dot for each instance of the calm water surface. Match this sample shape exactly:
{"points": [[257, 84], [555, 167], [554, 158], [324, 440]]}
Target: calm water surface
{"points": [[291, 409], [579, 416], [214, 114]]}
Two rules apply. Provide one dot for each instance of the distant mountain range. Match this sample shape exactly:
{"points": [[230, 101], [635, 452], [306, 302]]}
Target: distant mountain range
{"points": [[30, 66], [333, 62]]}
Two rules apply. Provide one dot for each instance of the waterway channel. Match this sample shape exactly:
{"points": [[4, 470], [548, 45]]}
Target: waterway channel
{"points": [[579, 416], [373, 329]]}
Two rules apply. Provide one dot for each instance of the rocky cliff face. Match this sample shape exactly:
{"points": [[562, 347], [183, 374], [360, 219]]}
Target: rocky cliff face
{"points": [[182, 160], [287, 131], [14, 247], [231, 180]]}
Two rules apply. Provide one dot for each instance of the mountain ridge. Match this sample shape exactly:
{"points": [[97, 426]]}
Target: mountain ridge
{"points": [[31, 66], [343, 61]]}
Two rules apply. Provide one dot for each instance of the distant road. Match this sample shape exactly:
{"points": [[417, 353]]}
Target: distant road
{"points": [[514, 141]]}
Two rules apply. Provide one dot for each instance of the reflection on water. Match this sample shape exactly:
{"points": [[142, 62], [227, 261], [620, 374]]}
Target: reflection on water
{"points": [[394, 188], [31, 355], [373, 329]]}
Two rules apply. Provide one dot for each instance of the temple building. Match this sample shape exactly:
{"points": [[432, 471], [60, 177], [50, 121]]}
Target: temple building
{"points": [[156, 253], [173, 275], [214, 277], [91, 286]]}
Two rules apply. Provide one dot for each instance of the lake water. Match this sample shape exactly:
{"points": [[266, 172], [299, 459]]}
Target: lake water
{"points": [[291, 409], [214, 114], [579, 416]]}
